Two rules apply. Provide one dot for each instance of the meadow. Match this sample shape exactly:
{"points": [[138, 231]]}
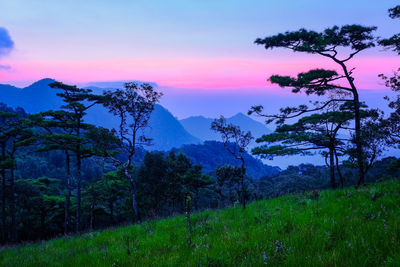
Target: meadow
{"points": [[346, 227]]}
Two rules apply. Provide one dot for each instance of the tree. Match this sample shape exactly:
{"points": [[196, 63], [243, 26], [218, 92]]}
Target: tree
{"points": [[240, 141], [317, 132], [115, 188], [93, 194], [15, 133], [58, 135], [133, 106], [394, 41], [355, 38], [154, 185], [194, 181], [77, 102], [374, 137], [227, 176], [392, 123], [7, 117], [40, 207]]}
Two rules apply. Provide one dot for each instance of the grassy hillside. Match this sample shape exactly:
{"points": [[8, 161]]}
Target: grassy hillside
{"points": [[339, 228]]}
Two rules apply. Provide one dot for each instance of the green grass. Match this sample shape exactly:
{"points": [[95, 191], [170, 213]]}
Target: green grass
{"points": [[342, 228]]}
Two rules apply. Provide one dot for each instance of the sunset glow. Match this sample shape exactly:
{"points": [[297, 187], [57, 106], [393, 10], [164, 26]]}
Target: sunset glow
{"points": [[193, 47]]}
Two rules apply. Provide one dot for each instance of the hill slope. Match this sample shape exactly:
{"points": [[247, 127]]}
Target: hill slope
{"points": [[340, 228], [212, 154]]}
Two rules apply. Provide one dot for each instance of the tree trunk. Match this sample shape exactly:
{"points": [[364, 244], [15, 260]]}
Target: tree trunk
{"points": [[332, 167], [133, 187], [42, 224], [3, 197], [220, 197], [338, 170], [91, 216], [78, 195], [135, 206], [243, 195], [360, 160], [12, 207], [111, 207], [196, 201], [68, 196], [357, 119]]}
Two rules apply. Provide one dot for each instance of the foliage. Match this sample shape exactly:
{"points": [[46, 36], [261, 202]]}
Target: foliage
{"points": [[240, 140], [392, 42], [351, 228]]}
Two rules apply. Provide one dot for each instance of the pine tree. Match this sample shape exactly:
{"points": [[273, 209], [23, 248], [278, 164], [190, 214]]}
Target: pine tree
{"points": [[77, 102]]}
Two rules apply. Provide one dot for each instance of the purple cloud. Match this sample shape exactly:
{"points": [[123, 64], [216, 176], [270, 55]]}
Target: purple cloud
{"points": [[6, 43], [5, 67]]}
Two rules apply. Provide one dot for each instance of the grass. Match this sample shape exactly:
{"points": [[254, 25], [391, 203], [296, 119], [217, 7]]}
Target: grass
{"points": [[340, 228]]}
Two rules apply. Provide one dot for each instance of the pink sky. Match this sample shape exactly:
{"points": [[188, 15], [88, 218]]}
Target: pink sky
{"points": [[212, 73], [204, 44]]}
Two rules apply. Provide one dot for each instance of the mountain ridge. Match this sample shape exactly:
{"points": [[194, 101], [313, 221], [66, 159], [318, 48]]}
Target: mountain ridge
{"points": [[165, 129], [200, 127]]}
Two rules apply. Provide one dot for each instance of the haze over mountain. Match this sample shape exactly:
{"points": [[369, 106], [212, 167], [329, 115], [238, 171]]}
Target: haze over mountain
{"points": [[165, 129], [199, 127]]}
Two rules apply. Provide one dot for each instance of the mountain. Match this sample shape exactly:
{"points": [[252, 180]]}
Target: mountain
{"points": [[165, 130], [199, 127], [212, 154], [33, 98]]}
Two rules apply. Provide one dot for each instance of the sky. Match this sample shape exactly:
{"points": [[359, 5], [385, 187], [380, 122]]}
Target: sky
{"points": [[196, 51]]}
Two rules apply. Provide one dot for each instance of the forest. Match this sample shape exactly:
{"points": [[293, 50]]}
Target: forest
{"points": [[63, 176]]}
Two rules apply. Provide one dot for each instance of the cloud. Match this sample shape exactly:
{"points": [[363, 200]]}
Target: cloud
{"points": [[6, 43], [5, 67]]}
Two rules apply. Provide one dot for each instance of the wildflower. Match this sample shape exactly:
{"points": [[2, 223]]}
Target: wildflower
{"points": [[265, 258]]}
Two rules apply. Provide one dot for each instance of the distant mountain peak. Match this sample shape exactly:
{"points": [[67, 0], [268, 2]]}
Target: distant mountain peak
{"points": [[45, 81], [240, 115], [199, 126]]}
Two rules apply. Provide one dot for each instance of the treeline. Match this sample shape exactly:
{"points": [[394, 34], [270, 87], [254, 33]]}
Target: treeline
{"points": [[163, 182], [65, 132]]}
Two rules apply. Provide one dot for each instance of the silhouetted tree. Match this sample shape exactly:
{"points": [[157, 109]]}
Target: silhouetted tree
{"points": [[77, 102], [57, 135], [133, 106], [235, 141], [227, 176], [392, 123], [317, 132], [7, 117], [194, 181], [394, 41], [15, 133], [355, 38]]}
